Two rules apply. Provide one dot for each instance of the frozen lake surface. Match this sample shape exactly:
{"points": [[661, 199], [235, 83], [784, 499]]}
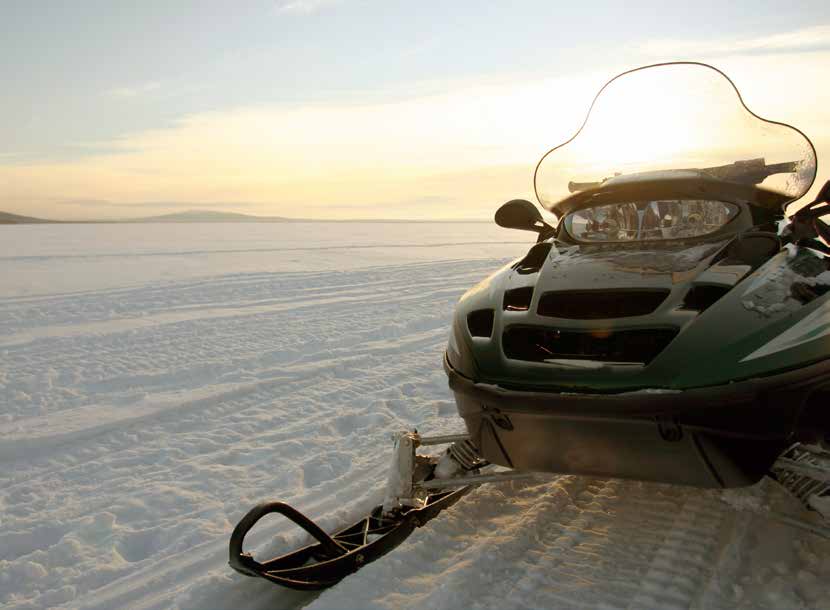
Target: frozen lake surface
{"points": [[158, 380], [51, 259]]}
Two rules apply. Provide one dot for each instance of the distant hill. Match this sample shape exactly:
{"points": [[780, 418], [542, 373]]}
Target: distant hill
{"points": [[14, 219], [207, 216], [189, 216], [211, 216]]}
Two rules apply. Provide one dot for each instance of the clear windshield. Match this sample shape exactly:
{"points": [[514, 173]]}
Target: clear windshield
{"points": [[671, 117]]}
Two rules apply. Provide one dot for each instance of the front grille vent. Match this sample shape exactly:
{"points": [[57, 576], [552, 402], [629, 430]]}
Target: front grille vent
{"points": [[518, 299], [538, 344], [600, 304], [480, 322]]}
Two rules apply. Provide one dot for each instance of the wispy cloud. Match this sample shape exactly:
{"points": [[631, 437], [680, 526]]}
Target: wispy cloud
{"points": [[807, 39], [302, 7], [134, 91]]}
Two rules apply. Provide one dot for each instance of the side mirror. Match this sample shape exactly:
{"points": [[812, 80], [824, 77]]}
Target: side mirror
{"points": [[523, 215]]}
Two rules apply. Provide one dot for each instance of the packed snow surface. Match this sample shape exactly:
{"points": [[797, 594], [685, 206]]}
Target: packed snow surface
{"points": [[156, 381]]}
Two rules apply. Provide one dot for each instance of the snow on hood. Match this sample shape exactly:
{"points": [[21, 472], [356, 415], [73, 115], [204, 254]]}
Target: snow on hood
{"points": [[656, 257], [769, 292]]}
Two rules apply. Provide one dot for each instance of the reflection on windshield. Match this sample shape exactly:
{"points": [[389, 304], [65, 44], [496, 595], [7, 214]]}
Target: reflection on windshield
{"points": [[649, 220]]}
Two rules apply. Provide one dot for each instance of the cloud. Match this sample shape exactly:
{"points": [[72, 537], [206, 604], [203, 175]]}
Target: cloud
{"points": [[454, 153], [135, 91], [302, 7], [815, 38]]}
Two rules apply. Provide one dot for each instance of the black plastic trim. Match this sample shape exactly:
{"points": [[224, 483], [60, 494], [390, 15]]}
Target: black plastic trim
{"points": [[632, 403]]}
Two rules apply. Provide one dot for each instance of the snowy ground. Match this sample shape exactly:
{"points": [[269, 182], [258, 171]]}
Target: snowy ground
{"points": [[158, 380]]}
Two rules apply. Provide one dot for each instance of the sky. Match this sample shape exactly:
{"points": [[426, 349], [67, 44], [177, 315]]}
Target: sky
{"points": [[349, 109]]}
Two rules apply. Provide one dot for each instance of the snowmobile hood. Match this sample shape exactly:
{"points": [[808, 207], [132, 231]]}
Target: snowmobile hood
{"points": [[672, 315], [603, 267]]}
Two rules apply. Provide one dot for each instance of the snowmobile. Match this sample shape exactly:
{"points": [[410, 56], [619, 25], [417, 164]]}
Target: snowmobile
{"points": [[669, 323]]}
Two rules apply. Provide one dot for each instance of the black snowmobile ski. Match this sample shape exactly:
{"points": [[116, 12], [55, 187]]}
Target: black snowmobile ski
{"points": [[332, 558]]}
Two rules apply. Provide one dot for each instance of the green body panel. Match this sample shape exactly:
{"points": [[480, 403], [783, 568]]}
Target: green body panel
{"points": [[724, 343]]}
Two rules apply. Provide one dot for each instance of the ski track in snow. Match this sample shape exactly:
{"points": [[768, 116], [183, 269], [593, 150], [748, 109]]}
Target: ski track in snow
{"points": [[138, 424]]}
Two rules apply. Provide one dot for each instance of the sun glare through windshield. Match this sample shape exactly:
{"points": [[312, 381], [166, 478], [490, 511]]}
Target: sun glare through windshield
{"points": [[672, 117]]}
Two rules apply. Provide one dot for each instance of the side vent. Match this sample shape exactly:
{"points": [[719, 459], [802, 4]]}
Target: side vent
{"points": [[534, 259], [480, 323], [700, 298], [518, 299]]}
